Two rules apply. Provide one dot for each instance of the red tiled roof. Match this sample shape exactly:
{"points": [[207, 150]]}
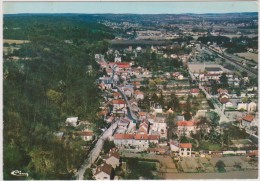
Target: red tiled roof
{"points": [[86, 133], [185, 123], [224, 100], [194, 90], [248, 118], [104, 168], [142, 113], [123, 136], [222, 91], [138, 92], [154, 137], [185, 145], [141, 137], [116, 94], [123, 64], [119, 101]]}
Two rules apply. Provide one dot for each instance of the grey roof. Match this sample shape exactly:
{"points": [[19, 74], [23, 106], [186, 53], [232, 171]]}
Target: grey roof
{"points": [[213, 69]]}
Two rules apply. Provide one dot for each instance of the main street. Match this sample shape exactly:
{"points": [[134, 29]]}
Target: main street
{"points": [[132, 115], [93, 155], [218, 110]]}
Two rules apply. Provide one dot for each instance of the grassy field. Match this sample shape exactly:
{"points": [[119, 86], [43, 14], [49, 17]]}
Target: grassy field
{"points": [[209, 146], [9, 41], [249, 55]]}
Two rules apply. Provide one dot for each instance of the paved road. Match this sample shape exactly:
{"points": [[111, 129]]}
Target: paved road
{"points": [[218, 110], [93, 155], [133, 116]]}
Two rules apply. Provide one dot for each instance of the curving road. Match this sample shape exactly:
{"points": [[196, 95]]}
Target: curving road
{"points": [[133, 116], [93, 155]]}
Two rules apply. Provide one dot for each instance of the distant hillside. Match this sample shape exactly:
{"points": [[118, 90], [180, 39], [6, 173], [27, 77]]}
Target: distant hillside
{"points": [[65, 26]]}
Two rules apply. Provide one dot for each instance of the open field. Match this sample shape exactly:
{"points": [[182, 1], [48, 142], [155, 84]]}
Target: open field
{"points": [[249, 55], [15, 41]]}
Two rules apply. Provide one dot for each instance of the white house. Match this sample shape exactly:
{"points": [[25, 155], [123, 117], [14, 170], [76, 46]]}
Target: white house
{"points": [[154, 139], [113, 158], [252, 107], [103, 172], [124, 140], [174, 145], [228, 104], [87, 135], [185, 149], [194, 92], [128, 92], [72, 121], [123, 124], [139, 95], [241, 106], [186, 127], [141, 141], [119, 106], [157, 108], [159, 126], [117, 95]]}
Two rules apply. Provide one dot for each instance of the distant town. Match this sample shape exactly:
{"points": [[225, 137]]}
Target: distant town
{"points": [[176, 97]]}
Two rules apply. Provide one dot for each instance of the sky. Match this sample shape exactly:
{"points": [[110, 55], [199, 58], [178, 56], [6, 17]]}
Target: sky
{"points": [[129, 7]]}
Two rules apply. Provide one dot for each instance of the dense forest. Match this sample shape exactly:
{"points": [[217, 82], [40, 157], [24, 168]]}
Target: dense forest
{"points": [[41, 91]]}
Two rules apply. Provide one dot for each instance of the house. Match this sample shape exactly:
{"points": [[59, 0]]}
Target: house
{"points": [[123, 124], [141, 141], [139, 95], [223, 95], [185, 149], [117, 95], [228, 104], [186, 127], [119, 106], [252, 107], [174, 145], [128, 92], [137, 84], [113, 158], [106, 81], [224, 100], [72, 121], [159, 126], [154, 139], [87, 135], [247, 120], [157, 108], [242, 106], [144, 127], [221, 91], [124, 140], [103, 172], [142, 115], [122, 66], [194, 92]]}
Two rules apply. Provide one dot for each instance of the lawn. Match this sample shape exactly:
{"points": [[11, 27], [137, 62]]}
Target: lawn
{"points": [[210, 146], [137, 168]]}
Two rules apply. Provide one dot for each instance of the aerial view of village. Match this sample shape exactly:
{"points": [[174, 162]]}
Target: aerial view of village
{"points": [[130, 95]]}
